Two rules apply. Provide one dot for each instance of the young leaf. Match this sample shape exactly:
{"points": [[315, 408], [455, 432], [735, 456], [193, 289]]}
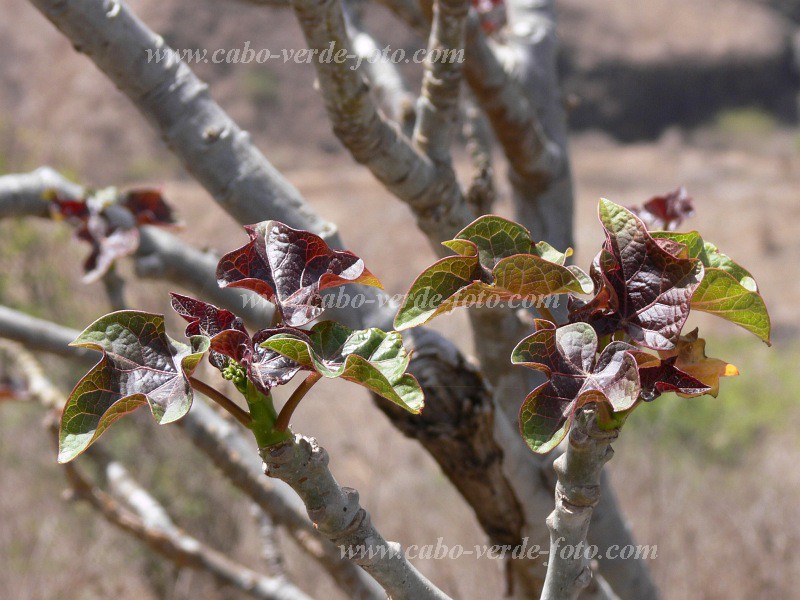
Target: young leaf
{"points": [[140, 365], [497, 262], [108, 244], [208, 320], [728, 290], [720, 294], [666, 212], [667, 377], [265, 368], [149, 207], [370, 357], [110, 241], [690, 357], [230, 340], [567, 355], [645, 290], [290, 268], [494, 238]]}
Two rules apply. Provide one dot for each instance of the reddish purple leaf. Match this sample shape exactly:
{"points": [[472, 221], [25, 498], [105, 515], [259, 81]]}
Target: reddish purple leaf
{"points": [[290, 268], [110, 241], [576, 376], [230, 340], [666, 377], [108, 244], [666, 212], [204, 318], [149, 207], [645, 291], [68, 208]]}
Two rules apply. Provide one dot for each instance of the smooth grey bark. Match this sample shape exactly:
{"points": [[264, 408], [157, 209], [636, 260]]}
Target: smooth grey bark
{"points": [[432, 192], [542, 184], [336, 512], [437, 106], [577, 493], [386, 83]]}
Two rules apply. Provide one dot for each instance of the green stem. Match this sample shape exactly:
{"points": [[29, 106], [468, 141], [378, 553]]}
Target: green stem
{"points": [[282, 424], [264, 417], [608, 420], [604, 341], [229, 405]]}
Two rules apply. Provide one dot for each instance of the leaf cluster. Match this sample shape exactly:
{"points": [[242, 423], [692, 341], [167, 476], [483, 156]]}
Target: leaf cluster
{"points": [[624, 344], [142, 365]]}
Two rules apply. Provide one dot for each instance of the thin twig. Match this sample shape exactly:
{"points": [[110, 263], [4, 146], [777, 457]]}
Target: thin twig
{"points": [[114, 285], [236, 411]]}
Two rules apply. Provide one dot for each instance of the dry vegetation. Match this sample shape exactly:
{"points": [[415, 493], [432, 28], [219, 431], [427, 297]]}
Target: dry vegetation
{"points": [[713, 482]]}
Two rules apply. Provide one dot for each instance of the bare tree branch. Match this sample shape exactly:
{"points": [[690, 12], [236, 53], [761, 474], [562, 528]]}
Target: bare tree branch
{"points": [[387, 84], [219, 439], [481, 193], [437, 107], [543, 196], [149, 523], [577, 493], [431, 192], [270, 545], [338, 515], [535, 160], [514, 120], [114, 286]]}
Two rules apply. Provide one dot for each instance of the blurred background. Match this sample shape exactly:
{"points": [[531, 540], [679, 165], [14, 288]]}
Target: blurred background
{"points": [[662, 93]]}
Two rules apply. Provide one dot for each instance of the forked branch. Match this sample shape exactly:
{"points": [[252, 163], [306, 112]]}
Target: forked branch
{"points": [[431, 192]]}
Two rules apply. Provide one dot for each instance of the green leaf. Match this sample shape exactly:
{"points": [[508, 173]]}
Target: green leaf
{"points": [[718, 260], [370, 357], [728, 290], [722, 295], [547, 252], [498, 263], [141, 365], [495, 238]]}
